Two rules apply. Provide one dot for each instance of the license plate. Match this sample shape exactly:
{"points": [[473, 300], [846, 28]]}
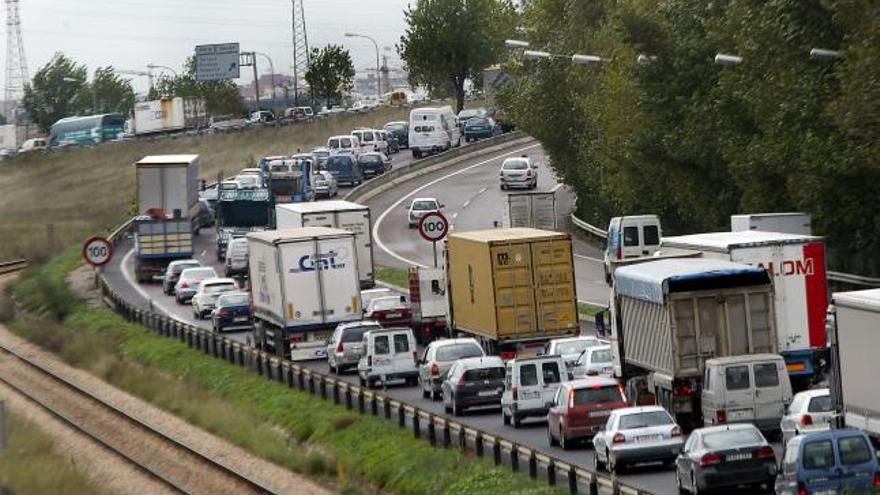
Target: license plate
{"points": [[826, 492], [239, 319], [599, 414], [740, 414], [738, 457], [487, 393], [647, 438], [795, 367], [392, 315]]}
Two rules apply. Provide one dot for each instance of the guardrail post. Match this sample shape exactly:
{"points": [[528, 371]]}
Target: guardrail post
{"points": [[514, 458], [478, 443], [417, 431], [432, 431], [401, 416], [336, 394], [447, 435], [311, 384], [387, 406], [361, 404], [462, 438], [323, 387], [573, 481], [496, 452], [374, 405], [594, 485], [551, 473], [348, 398], [533, 465]]}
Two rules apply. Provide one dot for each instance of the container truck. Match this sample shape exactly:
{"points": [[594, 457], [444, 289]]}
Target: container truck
{"points": [[536, 210], [669, 316], [169, 115], [344, 215], [238, 212], [797, 266], [789, 223], [512, 289], [429, 303], [303, 283], [167, 188], [854, 334]]}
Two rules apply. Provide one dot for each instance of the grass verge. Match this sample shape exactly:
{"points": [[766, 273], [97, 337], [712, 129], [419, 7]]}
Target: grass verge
{"points": [[393, 276], [292, 428], [30, 465], [588, 310]]}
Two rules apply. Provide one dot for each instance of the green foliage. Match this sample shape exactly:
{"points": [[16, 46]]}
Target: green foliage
{"points": [[330, 73], [111, 93], [57, 90], [696, 142], [393, 276], [221, 97], [449, 41]]}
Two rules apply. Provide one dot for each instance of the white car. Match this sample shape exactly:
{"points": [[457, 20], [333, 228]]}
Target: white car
{"points": [[518, 172], [810, 411], [205, 299], [637, 434], [189, 281], [248, 181], [594, 361], [570, 348], [419, 208]]}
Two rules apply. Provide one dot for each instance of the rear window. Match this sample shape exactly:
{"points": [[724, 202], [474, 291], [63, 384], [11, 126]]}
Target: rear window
{"points": [[818, 455], [176, 269], [737, 377], [233, 300], [386, 303], [528, 375], [854, 450], [371, 159], [333, 143], [644, 419], [202, 273], [630, 236], [550, 372], [401, 343], [458, 351], [339, 163], [731, 438], [484, 374], [381, 345], [424, 205], [766, 375], [355, 334], [597, 395], [366, 137], [515, 165], [820, 404], [215, 288], [601, 356], [652, 235]]}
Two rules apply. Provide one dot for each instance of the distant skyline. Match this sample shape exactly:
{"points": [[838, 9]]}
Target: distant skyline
{"points": [[129, 34]]}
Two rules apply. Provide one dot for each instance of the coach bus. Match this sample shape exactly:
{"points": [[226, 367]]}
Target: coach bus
{"points": [[88, 130]]}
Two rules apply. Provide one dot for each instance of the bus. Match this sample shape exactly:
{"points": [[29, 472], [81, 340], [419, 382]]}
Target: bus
{"points": [[88, 130]]}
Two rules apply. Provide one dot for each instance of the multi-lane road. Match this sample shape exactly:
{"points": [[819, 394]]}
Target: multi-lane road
{"points": [[472, 200]]}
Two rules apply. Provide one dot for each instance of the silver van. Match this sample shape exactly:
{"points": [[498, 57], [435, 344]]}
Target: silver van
{"points": [[746, 389], [632, 236], [529, 387]]}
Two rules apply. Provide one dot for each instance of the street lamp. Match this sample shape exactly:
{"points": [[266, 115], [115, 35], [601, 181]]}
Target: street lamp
{"points": [[516, 44], [825, 54], [727, 59], [272, 74], [643, 59], [378, 72], [156, 66]]}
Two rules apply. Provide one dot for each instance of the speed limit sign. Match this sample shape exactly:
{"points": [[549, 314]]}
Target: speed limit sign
{"points": [[97, 251], [433, 227]]}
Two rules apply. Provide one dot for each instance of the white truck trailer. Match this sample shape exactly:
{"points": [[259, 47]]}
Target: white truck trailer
{"points": [[344, 215], [789, 223], [536, 210], [169, 115], [854, 333], [797, 265], [303, 283]]}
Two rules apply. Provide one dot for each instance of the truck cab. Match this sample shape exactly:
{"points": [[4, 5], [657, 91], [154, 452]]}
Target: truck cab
{"points": [[632, 236]]}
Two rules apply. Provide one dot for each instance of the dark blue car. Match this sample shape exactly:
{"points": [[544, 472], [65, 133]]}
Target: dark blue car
{"points": [[834, 461], [232, 312], [345, 169]]}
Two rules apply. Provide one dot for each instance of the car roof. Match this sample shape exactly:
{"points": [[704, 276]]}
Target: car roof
{"points": [[593, 381], [744, 358], [832, 434], [574, 339], [625, 411], [389, 330], [358, 324], [195, 269], [185, 262], [816, 392], [425, 199], [726, 427], [481, 362], [460, 340], [551, 357]]}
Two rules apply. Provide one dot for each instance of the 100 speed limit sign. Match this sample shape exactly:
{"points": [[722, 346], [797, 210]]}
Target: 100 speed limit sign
{"points": [[97, 251], [433, 227]]}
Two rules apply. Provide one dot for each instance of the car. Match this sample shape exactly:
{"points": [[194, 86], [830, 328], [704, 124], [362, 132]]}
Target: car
{"points": [[236, 264], [466, 114], [810, 411], [389, 354], [172, 273], [204, 300], [570, 348], [368, 295], [345, 169], [400, 129], [725, 457], [232, 311], [480, 128], [391, 139], [202, 216], [262, 117], [389, 311], [189, 280], [346, 346], [594, 361], [321, 154], [248, 181], [438, 357], [373, 164], [518, 172], [324, 184], [419, 208], [835, 461], [529, 387], [580, 408], [637, 434], [473, 382]]}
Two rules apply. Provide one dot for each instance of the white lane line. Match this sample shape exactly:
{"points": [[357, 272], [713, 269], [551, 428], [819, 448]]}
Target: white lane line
{"points": [[397, 203], [481, 191], [131, 281], [466, 204], [455, 215], [596, 260]]}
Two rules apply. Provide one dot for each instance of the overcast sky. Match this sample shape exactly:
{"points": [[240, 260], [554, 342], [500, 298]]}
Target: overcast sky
{"points": [[129, 34]]}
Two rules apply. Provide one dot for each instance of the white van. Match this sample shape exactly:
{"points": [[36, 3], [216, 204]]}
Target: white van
{"points": [[631, 236], [432, 130], [529, 387], [34, 144], [345, 143], [389, 354], [370, 140], [746, 389]]}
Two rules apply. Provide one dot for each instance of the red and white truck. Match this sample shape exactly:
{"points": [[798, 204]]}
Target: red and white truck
{"points": [[430, 306]]}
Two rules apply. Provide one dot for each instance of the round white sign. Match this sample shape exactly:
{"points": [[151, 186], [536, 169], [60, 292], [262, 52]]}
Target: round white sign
{"points": [[97, 251], [433, 226]]}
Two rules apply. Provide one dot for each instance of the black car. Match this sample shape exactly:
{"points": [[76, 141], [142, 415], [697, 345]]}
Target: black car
{"points": [[232, 311], [401, 132], [373, 164], [473, 382]]}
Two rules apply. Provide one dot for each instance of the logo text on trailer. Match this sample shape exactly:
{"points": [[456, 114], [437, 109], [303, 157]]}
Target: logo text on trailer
{"points": [[320, 261], [789, 267]]}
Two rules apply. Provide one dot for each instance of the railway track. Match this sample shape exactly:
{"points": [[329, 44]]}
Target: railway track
{"points": [[12, 266], [182, 468]]}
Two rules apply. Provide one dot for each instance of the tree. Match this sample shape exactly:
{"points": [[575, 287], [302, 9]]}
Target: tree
{"points": [[449, 41], [111, 93], [221, 97], [56, 91], [330, 73]]}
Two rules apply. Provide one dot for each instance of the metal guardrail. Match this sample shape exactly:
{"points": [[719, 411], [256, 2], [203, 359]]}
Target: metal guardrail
{"points": [[588, 228]]}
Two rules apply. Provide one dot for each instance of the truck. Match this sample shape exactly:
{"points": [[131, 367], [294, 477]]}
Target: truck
{"points": [[9, 138], [303, 283], [167, 190], [169, 115], [789, 223], [289, 178], [796, 264], [512, 289], [668, 316], [495, 79], [536, 210], [429, 303], [239, 211], [344, 215], [853, 324]]}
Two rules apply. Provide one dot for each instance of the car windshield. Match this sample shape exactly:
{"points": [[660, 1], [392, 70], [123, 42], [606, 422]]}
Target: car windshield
{"points": [[371, 159], [193, 273], [480, 374], [355, 334], [515, 165], [454, 352], [644, 420], [396, 127], [477, 121], [386, 303], [731, 439], [574, 346], [176, 269], [234, 300], [338, 163], [821, 403], [321, 153], [279, 168], [366, 137], [247, 179], [218, 288], [601, 356], [424, 205], [598, 395]]}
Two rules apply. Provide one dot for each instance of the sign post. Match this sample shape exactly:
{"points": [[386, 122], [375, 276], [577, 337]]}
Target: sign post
{"points": [[433, 228], [97, 251]]}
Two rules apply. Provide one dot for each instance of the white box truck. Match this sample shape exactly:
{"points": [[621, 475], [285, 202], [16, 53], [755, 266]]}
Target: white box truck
{"points": [[797, 265], [168, 115], [344, 215], [303, 283], [854, 333], [789, 223], [536, 210], [169, 182]]}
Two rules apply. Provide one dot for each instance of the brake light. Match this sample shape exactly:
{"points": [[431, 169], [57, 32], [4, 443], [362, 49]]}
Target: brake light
{"points": [[806, 420], [721, 417], [571, 399], [877, 479], [184, 285], [802, 490], [339, 348], [461, 380], [618, 438], [435, 370], [765, 452], [684, 391], [515, 393], [224, 313], [676, 431], [710, 460]]}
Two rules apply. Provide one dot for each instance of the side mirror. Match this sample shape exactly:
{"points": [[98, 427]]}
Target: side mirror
{"points": [[442, 205]]}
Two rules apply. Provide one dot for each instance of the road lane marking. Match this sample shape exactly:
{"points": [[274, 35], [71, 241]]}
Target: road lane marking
{"points": [[581, 256], [412, 193], [466, 204], [131, 281]]}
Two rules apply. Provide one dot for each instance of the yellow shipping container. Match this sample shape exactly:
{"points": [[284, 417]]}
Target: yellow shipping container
{"points": [[512, 284]]}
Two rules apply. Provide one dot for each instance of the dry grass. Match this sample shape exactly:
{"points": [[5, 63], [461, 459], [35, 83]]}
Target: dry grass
{"points": [[84, 192]]}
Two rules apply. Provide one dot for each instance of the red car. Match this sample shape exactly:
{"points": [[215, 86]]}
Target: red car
{"points": [[389, 311], [581, 408]]}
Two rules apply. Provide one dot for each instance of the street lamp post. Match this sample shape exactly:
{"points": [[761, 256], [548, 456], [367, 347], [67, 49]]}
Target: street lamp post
{"points": [[516, 44], [378, 73]]}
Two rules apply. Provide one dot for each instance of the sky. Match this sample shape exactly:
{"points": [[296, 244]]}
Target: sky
{"points": [[129, 34]]}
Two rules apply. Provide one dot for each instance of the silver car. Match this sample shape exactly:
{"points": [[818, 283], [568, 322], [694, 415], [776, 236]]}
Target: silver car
{"points": [[570, 348], [439, 357], [637, 434], [324, 184], [346, 346], [421, 207], [810, 411], [188, 283], [518, 172], [594, 361]]}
